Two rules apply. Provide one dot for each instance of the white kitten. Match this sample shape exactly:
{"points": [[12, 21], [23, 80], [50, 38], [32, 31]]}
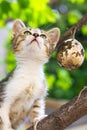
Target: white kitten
{"points": [[22, 93]]}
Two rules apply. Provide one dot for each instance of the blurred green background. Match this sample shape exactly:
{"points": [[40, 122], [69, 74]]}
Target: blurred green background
{"points": [[47, 14]]}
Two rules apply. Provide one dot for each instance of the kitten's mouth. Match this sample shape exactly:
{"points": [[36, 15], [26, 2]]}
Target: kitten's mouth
{"points": [[35, 40]]}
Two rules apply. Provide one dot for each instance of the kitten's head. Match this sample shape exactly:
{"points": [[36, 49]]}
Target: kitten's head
{"points": [[33, 43]]}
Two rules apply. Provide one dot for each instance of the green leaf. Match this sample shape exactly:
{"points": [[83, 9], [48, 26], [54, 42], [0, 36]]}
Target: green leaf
{"points": [[84, 30], [50, 80], [78, 1], [23, 3], [74, 16], [64, 80], [5, 6]]}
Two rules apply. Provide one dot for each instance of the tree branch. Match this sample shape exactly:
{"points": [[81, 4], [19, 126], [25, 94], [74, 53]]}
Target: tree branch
{"points": [[72, 110], [70, 32], [66, 114]]}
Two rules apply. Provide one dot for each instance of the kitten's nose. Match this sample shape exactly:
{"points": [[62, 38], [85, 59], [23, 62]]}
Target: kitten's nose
{"points": [[36, 35]]}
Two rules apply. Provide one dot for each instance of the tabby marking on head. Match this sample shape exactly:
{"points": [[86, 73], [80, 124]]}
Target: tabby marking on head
{"points": [[33, 40]]}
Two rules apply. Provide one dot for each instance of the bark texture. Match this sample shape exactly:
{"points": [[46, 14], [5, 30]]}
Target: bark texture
{"points": [[66, 114]]}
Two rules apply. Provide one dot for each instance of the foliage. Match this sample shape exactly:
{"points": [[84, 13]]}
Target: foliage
{"points": [[36, 13], [31, 12]]}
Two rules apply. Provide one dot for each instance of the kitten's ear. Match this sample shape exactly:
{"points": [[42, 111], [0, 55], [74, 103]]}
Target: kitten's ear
{"points": [[54, 35], [17, 26]]}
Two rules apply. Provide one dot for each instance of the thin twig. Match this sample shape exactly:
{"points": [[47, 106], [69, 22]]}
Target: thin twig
{"points": [[70, 32]]}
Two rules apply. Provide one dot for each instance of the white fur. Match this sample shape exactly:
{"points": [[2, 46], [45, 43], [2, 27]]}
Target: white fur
{"points": [[29, 71], [25, 74]]}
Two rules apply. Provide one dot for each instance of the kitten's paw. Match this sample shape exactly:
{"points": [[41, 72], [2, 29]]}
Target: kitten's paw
{"points": [[37, 119], [8, 129], [27, 126], [11, 129]]}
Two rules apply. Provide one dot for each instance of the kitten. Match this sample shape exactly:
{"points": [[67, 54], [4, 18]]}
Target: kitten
{"points": [[22, 93]]}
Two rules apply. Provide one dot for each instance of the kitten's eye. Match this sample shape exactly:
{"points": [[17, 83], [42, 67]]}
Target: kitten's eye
{"points": [[43, 36], [27, 32]]}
